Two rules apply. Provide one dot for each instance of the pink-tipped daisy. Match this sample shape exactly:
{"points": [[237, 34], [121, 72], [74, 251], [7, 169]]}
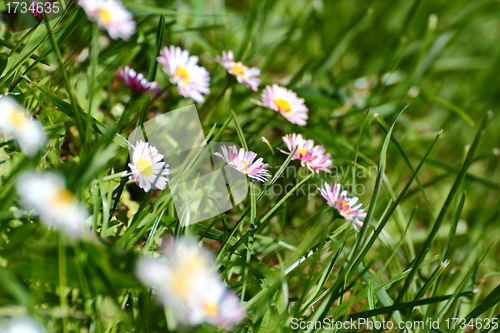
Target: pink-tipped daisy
{"points": [[110, 15], [345, 206], [310, 156], [147, 167], [244, 74], [319, 160], [243, 161], [137, 81], [192, 80], [286, 103]]}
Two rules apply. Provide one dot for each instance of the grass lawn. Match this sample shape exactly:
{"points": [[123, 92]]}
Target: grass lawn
{"points": [[116, 214]]}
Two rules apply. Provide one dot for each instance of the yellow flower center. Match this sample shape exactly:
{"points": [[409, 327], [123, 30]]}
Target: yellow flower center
{"points": [[238, 70], [283, 106], [211, 309], [187, 273], [62, 198], [301, 151], [145, 167], [245, 165], [343, 204], [182, 74], [181, 285], [18, 119], [105, 16]]}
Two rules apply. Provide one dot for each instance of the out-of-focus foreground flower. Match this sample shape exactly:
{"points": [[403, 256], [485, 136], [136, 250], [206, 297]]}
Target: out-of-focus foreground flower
{"points": [[192, 80], [310, 156], [285, 102], [110, 15], [187, 285], [147, 167], [21, 325], [16, 121], [244, 74], [243, 161], [345, 206], [137, 81], [46, 194]]}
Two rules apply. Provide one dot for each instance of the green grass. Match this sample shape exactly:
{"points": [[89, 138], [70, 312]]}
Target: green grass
{"points": [[430, 195]]}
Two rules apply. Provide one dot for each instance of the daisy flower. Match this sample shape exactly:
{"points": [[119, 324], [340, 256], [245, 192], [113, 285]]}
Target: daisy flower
{"points": [[46, 194], [243, 161], [192, 80], [345, 206], [16, 121], [319, 160], [137, 81], [110, 15], [285, 102], [245, 75], [22, 325], [147, 167], [310, 156], [187, 285]]}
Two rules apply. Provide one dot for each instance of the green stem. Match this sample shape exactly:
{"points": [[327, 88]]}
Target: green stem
{"points": [[63, 281], [253, 213], [67, 83], [92, 78]]}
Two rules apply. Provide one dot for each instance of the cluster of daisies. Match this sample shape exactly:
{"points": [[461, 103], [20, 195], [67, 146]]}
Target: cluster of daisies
{"points": [[186, 282], [193, 81]]}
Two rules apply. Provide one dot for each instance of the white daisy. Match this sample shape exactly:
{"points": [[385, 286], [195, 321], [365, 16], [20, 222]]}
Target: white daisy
{"points": [[188, 286], [137, 81], [345, 206], [46, 194], [16, 121], [311, 156], [22, 325], [243, 161], [244, 74], [286, 103], [192, 80], [110, 15], [147, 167]]}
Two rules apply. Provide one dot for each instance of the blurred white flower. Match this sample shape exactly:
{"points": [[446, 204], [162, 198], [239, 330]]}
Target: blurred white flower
{"points": [[46, 194], [22, 325], [110, 15], [191, 79], [186, 284], [147, 167], [16, 121]]}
